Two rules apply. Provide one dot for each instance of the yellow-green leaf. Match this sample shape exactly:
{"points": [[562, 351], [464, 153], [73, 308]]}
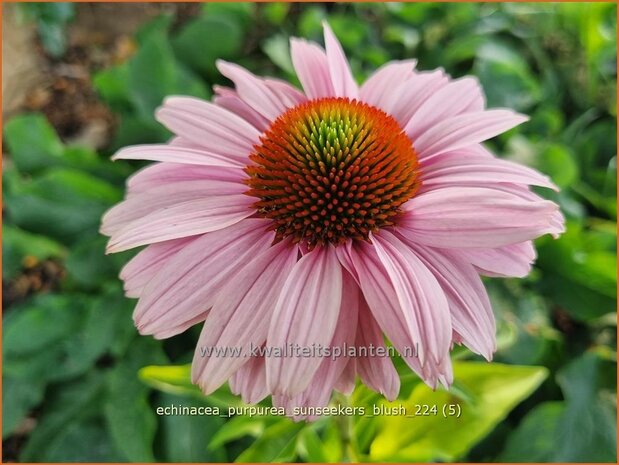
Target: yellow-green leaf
{"points": [[485, 392]]}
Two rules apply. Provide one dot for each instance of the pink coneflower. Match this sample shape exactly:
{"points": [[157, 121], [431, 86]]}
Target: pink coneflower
{"points": [[330, 217]]}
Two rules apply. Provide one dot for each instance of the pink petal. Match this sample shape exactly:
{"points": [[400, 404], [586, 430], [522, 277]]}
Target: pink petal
{"points": [[378, 88], [188, 284], [378, 373], [471, 313], [230, 100], [557, 221], [139, 205], [182, 220], [464, 169], [347, 380], [459, 96], [250, 381], [306, 313], [422, 301], [509, 261], [174, 154], [177, 327], [253, 90], [319, 391], [241, 315], [158, 174], [475, 217], [383, 301], [344, 84], [290, 95], [310, 63], [404, 100], [209, 125], [145, 265], [465, 129]]}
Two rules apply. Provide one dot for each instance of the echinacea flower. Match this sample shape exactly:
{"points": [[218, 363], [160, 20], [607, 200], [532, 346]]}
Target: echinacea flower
{"points": [[337, 216]]}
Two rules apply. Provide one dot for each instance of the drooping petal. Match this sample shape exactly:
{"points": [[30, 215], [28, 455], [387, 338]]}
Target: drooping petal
{"points": [[378, 373], [241, 314], [312, 68], [305, 314], [465, 129], [465, 169], [456, 97], [165, 196], [188, 284], [475, 217], [253, 90], [509, 261], [318, 392], [344, 84], [158, 174], [145, 265], [346, 382], [383, 302], [209, 126], [471, 313], [182, 220], [422, 301], [174, 154], [250, 381]]}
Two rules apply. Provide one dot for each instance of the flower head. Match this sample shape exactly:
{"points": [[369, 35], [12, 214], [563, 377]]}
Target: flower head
{"points": [[300, 224]]}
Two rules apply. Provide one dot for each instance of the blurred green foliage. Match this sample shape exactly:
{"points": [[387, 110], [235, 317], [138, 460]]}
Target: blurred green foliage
{"points": [[51, 20], [73, 357]]}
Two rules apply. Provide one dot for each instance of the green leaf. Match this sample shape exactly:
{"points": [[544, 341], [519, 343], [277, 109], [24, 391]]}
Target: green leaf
{"points": [[154, 73], [310, 447], [557, 161], [64, 407], [172, 379], [176, 379], [590, 272], [277, 444], [18, 398], [151, 75], [184, 437], [39, 323], [32, 142], [83, 441], [130, 418], [57, 337], [64, 204], [275, 12], [135, 129], [241, 13], [18, 244], [202, 31], [587, 430], [506, 77], [349, 30], [406, 36], [492, 391], [277, 48], [88, 265], [535, 438], [113, 86], [236, 428]]}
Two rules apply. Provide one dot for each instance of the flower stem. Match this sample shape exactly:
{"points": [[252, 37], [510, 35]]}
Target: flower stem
{"points": [[350, 453]]}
